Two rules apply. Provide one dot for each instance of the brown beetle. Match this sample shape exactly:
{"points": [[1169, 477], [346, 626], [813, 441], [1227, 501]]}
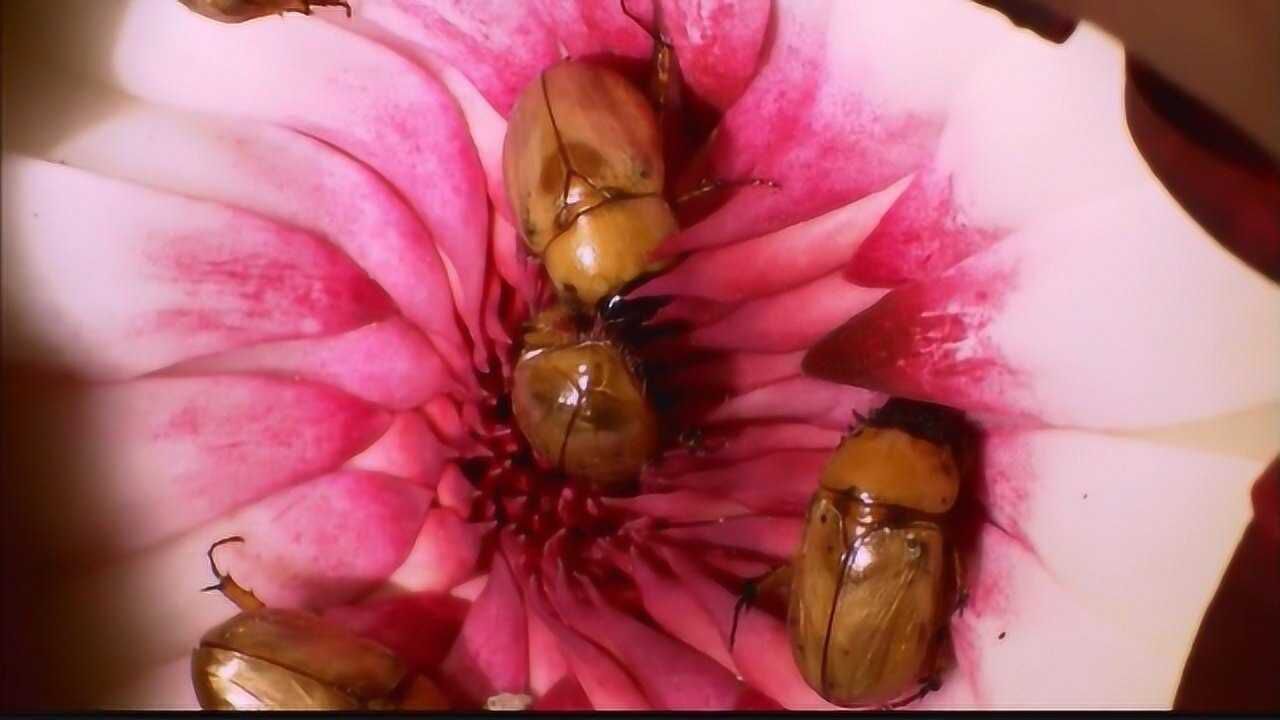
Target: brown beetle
{"points": [[876, 577], [238, 11], [584, 174], [579, 400], [280, 659]]}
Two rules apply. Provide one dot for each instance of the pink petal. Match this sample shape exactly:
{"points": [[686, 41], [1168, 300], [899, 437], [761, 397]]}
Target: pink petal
{"points": [[199, 447], [717, 43], [603, 680], [788, 321], [387, 363], [352, 93], [309, 546], [678, 506], [420, 627], [1158, 326], [672, 606], [286, 175], [740, 371], [1037, 128], [127, 280], [780, 482], [850, 99], [671, 674], [776, 537], [762, 651], [407, 450], [776, 261], [800, 398], [491, 653], [445, 554]]}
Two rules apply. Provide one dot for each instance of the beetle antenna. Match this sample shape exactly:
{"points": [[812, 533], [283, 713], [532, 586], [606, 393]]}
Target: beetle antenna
{"points": [[653, 32], [232, 590]]}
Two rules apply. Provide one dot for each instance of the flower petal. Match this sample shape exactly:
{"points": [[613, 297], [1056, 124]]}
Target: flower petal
{"points": [[308, 546], [445, 554], [780, 482], [672, 606], [200, 447], [491, 654], [418, 627], [762, 651], [850, 99], [776, 261], [350, 92], [407, 450], [1158, 326], [776, 537], [802, 399], [274, 172], [388, 363], [1103, 555], [119, 280], [1037, 128], [671, 674]]}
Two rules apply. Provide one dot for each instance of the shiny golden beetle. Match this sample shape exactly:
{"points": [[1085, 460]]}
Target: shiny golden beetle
{"points": [[281, 659], [876, 577], [578, 398], [238, 11]]}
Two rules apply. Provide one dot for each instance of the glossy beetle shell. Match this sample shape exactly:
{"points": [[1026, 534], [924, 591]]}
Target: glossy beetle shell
{"points": [[583, 168], [871, 586], [580, 404], [238, 11], [280, 659]]}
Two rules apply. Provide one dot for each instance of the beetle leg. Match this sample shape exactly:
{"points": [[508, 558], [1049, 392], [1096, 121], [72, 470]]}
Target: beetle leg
{"points": [[230, 589], [713, 184], [932, 684], [773, 582], [664, 78], [962, 590], [306, 6]]}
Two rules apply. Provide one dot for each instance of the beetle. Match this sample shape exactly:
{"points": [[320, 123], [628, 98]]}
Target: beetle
{"points": [[267, 658], [238, 11], [876, 576], [584, 172], [579, 399]]}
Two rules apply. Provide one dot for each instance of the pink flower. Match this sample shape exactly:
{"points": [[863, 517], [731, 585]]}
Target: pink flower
{"points": [[277, 258]]}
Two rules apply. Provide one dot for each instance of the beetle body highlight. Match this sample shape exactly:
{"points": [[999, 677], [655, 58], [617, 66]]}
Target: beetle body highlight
{"points": [[584, 174]]}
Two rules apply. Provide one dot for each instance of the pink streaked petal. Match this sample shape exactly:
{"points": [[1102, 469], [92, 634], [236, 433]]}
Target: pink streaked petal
{"points": [[762, 651], [851, 98], [602, 679], [1068, 566], [445, 554], [285, 175], [547, 664], [780, 482], [350, 92], [1157, 325], [671, 674], [419, 627], [491, 654], [309, 546], [566, 694], [408, 450], [388, 363], [456, 492], [803, 399], [200, 447], [678, 506], [995, 172], [717, 43], [776, 537], [740, 372], [673, 607], [500, 47], [509, 259], [776, 261], [789, 321], [126, 280]]}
